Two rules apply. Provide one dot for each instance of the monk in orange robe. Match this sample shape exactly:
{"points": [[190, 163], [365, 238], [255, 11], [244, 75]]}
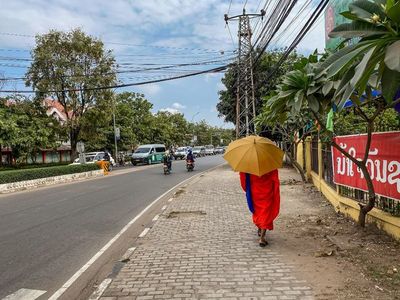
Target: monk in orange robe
{"points": [[263, 199]]}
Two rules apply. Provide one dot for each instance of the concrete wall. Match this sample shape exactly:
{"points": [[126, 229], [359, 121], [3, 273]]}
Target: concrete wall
{"points": [[347, 206]]}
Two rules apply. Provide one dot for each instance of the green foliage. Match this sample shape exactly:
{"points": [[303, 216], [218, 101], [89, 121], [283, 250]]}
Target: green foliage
{"points": [[25, 127], [227, 98], [71, 62], [36, 173], [170, 129], [348, 122], [134, 118], [298, 90], [32, 166], [374, 60]]}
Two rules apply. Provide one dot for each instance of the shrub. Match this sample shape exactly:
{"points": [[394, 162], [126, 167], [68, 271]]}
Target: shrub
{"points": [[32, 166], [36, 173]]}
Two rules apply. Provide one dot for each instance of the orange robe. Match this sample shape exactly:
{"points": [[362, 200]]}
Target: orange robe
{"points": [[265, 198]]}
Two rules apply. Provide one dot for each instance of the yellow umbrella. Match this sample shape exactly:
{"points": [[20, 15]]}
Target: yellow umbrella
{"points": [[254, 155]]}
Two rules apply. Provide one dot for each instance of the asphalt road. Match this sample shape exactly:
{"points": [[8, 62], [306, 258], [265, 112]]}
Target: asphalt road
{"points": [[47, 234]]}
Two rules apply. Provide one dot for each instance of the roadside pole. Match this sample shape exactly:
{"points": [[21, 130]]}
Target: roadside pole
{"points": [[115, 138], [115, 133]]}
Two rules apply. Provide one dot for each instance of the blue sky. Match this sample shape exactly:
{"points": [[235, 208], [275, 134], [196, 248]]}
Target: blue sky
{"points": [[143, 32]]}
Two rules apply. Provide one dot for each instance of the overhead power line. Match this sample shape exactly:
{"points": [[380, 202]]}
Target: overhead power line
{"points": [[283, 14], [117, 86], [201, 63], [306, 28], [128, 44]]}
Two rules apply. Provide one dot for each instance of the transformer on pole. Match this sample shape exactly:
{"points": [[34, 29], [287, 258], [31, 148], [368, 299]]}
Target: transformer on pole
{"points": [[245, 99]]}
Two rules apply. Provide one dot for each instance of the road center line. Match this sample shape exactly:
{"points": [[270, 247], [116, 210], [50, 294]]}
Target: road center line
{"points": [[74, 277]]}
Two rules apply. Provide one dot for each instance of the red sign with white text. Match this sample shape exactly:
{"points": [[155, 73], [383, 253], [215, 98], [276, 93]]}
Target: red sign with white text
{"points": [[383, 163]]}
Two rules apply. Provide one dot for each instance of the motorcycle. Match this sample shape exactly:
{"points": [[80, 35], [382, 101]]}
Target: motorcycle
{"points": [[189, 165], [167, 169]]}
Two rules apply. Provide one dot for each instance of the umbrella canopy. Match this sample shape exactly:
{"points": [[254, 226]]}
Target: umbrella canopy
{"points": [[254, 155]]}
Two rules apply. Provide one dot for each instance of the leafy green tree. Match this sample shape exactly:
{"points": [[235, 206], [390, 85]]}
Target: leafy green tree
{"points": [[8, 127], [96, 129], [170, 129], [373, 62], [227, 98], [26, 128], [69, 66], [348, 121], [134, 117], [290, 129]]}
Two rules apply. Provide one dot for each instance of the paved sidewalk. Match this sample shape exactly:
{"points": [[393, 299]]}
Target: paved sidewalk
{"points": [[204, 246]]}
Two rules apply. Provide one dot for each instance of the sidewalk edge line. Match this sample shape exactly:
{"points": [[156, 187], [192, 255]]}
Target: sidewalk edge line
{"points": [[74, 277], [144, 232], [100, 289]]}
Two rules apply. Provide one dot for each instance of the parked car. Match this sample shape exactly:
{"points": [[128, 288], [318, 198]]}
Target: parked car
{"points": [[180, 153], [148, 154], [219, 150], [199, 151], [92, 157], [209, 150]]}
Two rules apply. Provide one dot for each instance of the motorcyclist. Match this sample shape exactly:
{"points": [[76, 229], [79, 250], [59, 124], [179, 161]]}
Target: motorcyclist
{"points": [[190, 156], [167, 159]]}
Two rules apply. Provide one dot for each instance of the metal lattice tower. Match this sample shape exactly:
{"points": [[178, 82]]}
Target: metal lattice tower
{"points": [[245, 99]]}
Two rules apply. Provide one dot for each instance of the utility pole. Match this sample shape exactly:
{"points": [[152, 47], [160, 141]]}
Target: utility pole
{"points": [[115, 130], [245, 99]]}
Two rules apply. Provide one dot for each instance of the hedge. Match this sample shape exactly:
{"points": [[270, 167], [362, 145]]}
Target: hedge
{"points": [[32, 166], [36, 173]]}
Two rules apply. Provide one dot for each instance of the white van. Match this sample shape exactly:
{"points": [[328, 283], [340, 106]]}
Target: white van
{"points": [[148, 154]]}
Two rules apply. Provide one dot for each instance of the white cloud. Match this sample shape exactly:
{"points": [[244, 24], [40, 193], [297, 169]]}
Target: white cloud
{"points": [[177, 105], [150, 89], [170, 110]]}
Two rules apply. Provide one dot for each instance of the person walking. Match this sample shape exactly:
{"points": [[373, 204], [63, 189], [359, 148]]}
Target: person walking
{"points": [[257, 159], [263, 199]]}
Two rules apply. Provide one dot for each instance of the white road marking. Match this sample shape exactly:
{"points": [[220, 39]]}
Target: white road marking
{"points": [[164, 207], [74, 277], [100, 289], [156, 218], [25, 294], [170, 199], [128, 253], [144, 232]]}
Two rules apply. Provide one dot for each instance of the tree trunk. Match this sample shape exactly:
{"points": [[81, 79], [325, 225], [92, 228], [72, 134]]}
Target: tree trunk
{"points": [[365, 209], [1, 156], [74, 132], [295, 164]]}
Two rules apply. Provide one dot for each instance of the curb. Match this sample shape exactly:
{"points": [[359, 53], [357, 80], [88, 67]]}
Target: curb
{"points": [[101, 288], [47, 181]]}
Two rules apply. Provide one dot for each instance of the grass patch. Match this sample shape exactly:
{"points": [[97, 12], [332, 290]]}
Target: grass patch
{"points": [[36, 173]]}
